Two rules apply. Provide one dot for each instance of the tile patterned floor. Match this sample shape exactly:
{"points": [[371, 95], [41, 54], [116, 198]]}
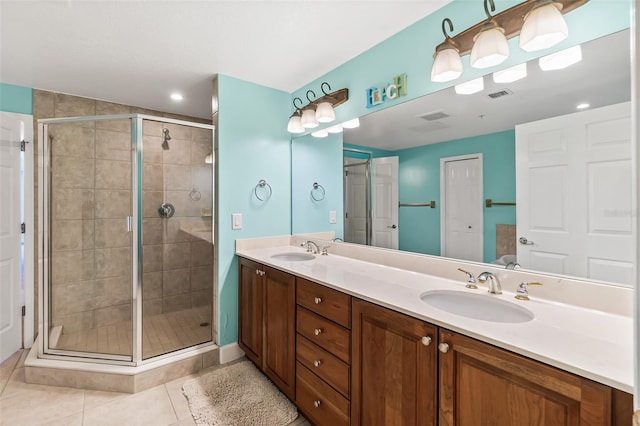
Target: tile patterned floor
{"points": [[23, 404]]}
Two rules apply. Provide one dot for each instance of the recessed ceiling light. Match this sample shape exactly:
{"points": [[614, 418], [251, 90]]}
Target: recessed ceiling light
{"points": [[176, 96], [583, 105], [561, 59]]}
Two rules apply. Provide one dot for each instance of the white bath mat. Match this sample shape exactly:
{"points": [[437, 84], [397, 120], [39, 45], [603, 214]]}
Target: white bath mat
{"points": [[237, 395]]}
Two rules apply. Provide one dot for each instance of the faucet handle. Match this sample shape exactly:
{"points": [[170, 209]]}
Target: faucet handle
{"points": [[521, 292], [471, 280], [325, 250]]}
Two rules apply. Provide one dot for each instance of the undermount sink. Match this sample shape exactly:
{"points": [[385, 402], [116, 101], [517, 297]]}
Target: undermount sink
{"points": [[293, 256], [477, 306]]}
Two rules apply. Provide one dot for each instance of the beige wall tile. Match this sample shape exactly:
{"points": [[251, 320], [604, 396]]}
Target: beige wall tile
{"points": [[69, 266], [72, 172], [183, 203], [42, 105], [176, 303], [113, 262], [112, 291], [211, 358], [113, 314], [201, 135], [113, 145], [113, 174], [152, 230], [176, 281], [70, 298], [151, 308], [108, 108], [67, 203], [112, 233], [101, 382], [149, 127], [72, 140], [172, 232], [176, 256], [201, 253], [178, 131], [179, 152], [151, 200], [152, 258], [151, 285], [199, 151], [177, 177], [152, 149], [72, 234], [202, 177], [114, 204], [74, 106], [169, 372], [152, 177], [73, 323], [201, 277], [201, 298]]}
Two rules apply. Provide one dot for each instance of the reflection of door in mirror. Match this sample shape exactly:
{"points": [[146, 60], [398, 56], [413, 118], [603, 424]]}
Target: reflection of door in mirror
{"points": [[385, 202], [574, 193], [356, 200], [461, 213]]}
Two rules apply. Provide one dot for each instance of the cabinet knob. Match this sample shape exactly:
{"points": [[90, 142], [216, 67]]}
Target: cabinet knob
{"points": [[317, 300], [426, 340], [317, 363], [443, 347], [257, 272], [316, 403], [317, 331]]}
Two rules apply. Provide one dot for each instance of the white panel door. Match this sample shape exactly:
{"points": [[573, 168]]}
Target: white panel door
{"points": [[461, 213], [356, 202], [11, 133], [385, 202], [574, 193]]}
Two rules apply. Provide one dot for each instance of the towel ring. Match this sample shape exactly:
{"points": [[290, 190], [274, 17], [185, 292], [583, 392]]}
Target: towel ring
{"points": [[261, 184], [317, 192], [195, 195]]}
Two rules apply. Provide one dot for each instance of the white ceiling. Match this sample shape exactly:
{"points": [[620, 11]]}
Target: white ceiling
{"points": [[603, 77], [138, 52]]}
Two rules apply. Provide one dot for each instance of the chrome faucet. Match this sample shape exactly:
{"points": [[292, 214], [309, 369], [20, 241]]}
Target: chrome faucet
{"points": [[310, 243], [336, 239], [494, 283]]}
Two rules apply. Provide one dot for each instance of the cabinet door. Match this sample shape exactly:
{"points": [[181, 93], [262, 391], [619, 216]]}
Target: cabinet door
{"points": [[484, 385], [279, 325], [250, 295], [394, 377]]}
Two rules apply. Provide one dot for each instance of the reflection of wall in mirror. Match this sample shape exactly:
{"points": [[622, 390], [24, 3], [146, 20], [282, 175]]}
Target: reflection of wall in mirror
{"points": [[419, 182]]}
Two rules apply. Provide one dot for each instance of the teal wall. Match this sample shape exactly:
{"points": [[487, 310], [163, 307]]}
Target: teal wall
{"points": [[253, 144], [16, 99], [375, 152], [419, 182], [317, 160]]}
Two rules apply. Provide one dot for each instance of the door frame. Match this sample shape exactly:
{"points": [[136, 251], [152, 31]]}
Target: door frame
{"points": [[443, 199], [367, 163]]}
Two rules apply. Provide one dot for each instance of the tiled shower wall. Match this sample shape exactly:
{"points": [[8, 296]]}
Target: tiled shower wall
{"points": [[91, 267]]}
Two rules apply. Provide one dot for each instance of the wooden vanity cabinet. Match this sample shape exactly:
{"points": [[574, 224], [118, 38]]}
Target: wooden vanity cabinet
{"points": [[267, 300]]}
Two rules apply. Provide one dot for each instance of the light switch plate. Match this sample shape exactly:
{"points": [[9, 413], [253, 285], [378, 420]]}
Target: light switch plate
{"points": [[236, 220], [332, 217]]}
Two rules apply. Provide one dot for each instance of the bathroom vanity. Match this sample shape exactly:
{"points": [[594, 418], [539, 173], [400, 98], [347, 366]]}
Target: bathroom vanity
{"points": [[351, 342]]}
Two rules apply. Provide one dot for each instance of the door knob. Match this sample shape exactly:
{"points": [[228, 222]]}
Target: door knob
{"points": [[394, 226], [525, 242]]}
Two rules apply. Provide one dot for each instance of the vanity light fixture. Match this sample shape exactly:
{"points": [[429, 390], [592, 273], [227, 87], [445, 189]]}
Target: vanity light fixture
{"points": [[470, 87], [335, 129], [320, 110], [447, 64], [322, 133], [510, 75], [543, 27], [490, 46], [562, 59], [351, 124], [539, 23]]}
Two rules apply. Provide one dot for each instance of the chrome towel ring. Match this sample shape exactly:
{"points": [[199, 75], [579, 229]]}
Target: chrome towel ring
{"points": [[260, 187], [317, 192]]}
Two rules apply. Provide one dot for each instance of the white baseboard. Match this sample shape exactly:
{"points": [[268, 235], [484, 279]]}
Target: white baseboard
{"points": [[230, 353]]}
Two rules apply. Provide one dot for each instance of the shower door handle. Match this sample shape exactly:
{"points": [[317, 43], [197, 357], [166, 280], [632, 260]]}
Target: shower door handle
{"points": [[129, 223]]}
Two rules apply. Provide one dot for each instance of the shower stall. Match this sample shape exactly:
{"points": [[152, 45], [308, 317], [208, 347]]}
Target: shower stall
{"points": [[126, 242]]}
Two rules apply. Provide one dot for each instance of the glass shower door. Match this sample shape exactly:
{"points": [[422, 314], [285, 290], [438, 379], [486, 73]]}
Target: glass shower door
{"points": [[88, 202]]}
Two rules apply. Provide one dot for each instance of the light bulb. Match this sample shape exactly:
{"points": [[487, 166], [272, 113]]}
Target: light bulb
{"points": [[325, 112]]}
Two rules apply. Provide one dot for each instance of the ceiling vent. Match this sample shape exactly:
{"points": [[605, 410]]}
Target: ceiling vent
{"points": [[500, 94], [431, 116]]}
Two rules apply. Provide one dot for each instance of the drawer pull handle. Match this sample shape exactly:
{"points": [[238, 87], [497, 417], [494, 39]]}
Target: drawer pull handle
{"points": [[317, 331], [444, 347], [426, 340], [316, 403], [317, 363], [317, 300]]}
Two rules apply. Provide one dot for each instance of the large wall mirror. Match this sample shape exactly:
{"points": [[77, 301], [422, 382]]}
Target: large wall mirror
{"points": [[455, 152]]}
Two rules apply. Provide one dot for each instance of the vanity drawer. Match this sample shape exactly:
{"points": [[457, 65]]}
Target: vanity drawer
{"points": [[318, 401], [325, 301], [324, 333], [326, 366]]}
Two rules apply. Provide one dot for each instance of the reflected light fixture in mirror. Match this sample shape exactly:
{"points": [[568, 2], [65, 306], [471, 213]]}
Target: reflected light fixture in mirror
{"points": [[510, 75], [335, 129], [351, 124], [470, 87], [320, 110], [447, 64], [561, 59], [320, 133], [295, 121], [543, 27], [209, 158], [490, 46]]}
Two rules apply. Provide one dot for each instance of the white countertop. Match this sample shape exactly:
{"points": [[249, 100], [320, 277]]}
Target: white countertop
{"points": [[593, 344]]}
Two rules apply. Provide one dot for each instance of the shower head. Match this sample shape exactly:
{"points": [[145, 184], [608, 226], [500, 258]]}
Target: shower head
{"points": [[167, 138]]}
